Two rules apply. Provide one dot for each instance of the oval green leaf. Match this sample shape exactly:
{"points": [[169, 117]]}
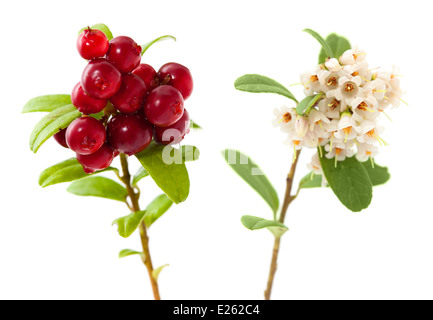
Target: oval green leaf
{"points": [[338, 45], [307, 103], [156, 209], [157, 271], [323, 43], [256, 223], [260, 84], [149, 44], [127, 225], [349, 181], [99, 187], [128, 252], [52, 123], [311, 180], [102, 27], [141, 174], [66, 171], [253, 175], [167, 168], [47, 103], [378, 175]]}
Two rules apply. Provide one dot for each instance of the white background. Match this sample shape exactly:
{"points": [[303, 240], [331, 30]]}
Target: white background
{"points": [[54, 245]]}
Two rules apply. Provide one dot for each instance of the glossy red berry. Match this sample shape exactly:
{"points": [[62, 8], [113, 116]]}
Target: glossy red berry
{"points": [[85, 135], [174, 133], [92, 44], [85, 103], [129, 133], [100, 79], [131, 94], [99, 160], [180, 78], [124, 53], [60, 137], [164, 106], [147, 74]]}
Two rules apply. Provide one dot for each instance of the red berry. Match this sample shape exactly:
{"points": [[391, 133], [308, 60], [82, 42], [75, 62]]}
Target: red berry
{"points": [[61, 138], [180, 77], [164, 106], [174, 133], [85, 103], [131, 94], [129, 133], [85, 135], [124, 53], [99, 160], [92, 44], [147, 73], [100, 79]]}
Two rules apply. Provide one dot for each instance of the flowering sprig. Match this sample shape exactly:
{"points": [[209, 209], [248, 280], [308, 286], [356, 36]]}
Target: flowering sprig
{"points": [[340, 117]]}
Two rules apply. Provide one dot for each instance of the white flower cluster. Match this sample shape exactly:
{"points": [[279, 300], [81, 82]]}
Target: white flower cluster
{"points": [[344, 119]]}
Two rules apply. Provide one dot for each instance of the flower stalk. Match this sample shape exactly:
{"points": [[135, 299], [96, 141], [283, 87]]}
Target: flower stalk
{"points": [[288, 198]]}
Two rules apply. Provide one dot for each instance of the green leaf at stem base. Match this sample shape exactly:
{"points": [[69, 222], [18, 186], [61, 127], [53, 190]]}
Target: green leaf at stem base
{"points": [[99, 187], [157, 271], [128, 252], [127, 225], [256, 83], [256, 223]]}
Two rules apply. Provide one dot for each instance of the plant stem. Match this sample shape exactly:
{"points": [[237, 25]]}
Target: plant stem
{"points": [[288, 198], [134, 197]]}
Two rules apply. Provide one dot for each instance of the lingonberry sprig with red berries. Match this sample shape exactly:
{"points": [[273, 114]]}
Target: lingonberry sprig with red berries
{"points": [[123, 108]]}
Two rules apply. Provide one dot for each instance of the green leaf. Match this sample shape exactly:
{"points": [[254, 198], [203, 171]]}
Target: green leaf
{"points": [[157, 271], [190, 153], [141, 174], [377, 174], [156, 209], [253, 175], [99, 187], [311, 181], [257, 84], [102, 27], [127, 225], [52, 123], [338, 44], [307, 103], [256, 223], [324, 44], [195, 126], [147, 45], [167, 168], [128, 252], [47, 103], [65, 171], [350, 182]]}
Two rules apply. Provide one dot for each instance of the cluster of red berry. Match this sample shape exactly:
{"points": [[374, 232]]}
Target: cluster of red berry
{"points": [[139, 103]]}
